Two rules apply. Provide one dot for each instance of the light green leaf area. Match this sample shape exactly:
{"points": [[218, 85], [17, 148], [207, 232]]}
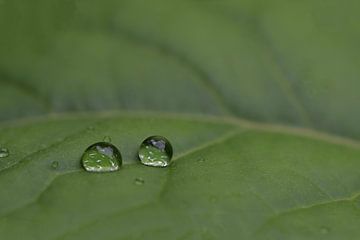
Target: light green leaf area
{"points": [[230, 179]]}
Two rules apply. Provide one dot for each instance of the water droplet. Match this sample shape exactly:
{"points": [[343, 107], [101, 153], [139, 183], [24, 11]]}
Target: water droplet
{"points": [[324, 230], [4, 152], [101, 157], [156, 151], [55, 164], [107, 139], [139, 181], [201, 160]]}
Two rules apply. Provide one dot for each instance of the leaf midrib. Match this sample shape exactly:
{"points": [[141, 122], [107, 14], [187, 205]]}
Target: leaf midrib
{"points": [[234, 121]]}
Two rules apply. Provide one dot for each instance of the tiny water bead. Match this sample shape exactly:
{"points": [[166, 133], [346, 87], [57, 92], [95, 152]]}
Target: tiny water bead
{"points": [[101, 157], [4, 152], [156, 151], [55, 165]]}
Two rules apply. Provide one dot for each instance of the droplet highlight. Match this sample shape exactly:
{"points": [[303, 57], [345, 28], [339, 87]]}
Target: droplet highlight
{"points": [[156, 151], [101, 157], [139, 181], [4, 152]]}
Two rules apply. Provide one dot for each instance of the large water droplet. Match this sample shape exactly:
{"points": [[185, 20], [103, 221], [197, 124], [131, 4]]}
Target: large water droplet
{"points": [[4, 152], [156, 151], [101, 157]]}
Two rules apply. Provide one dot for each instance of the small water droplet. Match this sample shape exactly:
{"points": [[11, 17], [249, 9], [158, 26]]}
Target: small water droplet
{"points": [[107, 139], [201, 160], [55, 165], [4, 152], [101, 157], [139, 181], [324, 230], [156, 151]]}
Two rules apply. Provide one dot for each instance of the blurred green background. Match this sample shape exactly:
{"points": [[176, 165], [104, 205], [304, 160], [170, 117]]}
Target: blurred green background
{"points": [[281, 61]]}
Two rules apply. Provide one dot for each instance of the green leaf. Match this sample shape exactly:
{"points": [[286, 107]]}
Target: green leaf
{"points": [[281, 62], [229, 179], [197, 68]]}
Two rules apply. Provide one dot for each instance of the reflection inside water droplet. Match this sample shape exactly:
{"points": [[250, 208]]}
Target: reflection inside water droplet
{"points": [[101, 157], [4, 152], [156, 151]]}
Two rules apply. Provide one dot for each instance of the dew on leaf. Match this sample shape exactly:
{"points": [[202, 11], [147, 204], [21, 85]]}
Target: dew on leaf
{"points": [[55, 165], [139, 181], [101, 157], [156, 151], [4, 152]]}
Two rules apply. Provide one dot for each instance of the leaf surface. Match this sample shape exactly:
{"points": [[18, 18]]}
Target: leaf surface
{"points": [[229, 179], [196, 68], [280, 62]]}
